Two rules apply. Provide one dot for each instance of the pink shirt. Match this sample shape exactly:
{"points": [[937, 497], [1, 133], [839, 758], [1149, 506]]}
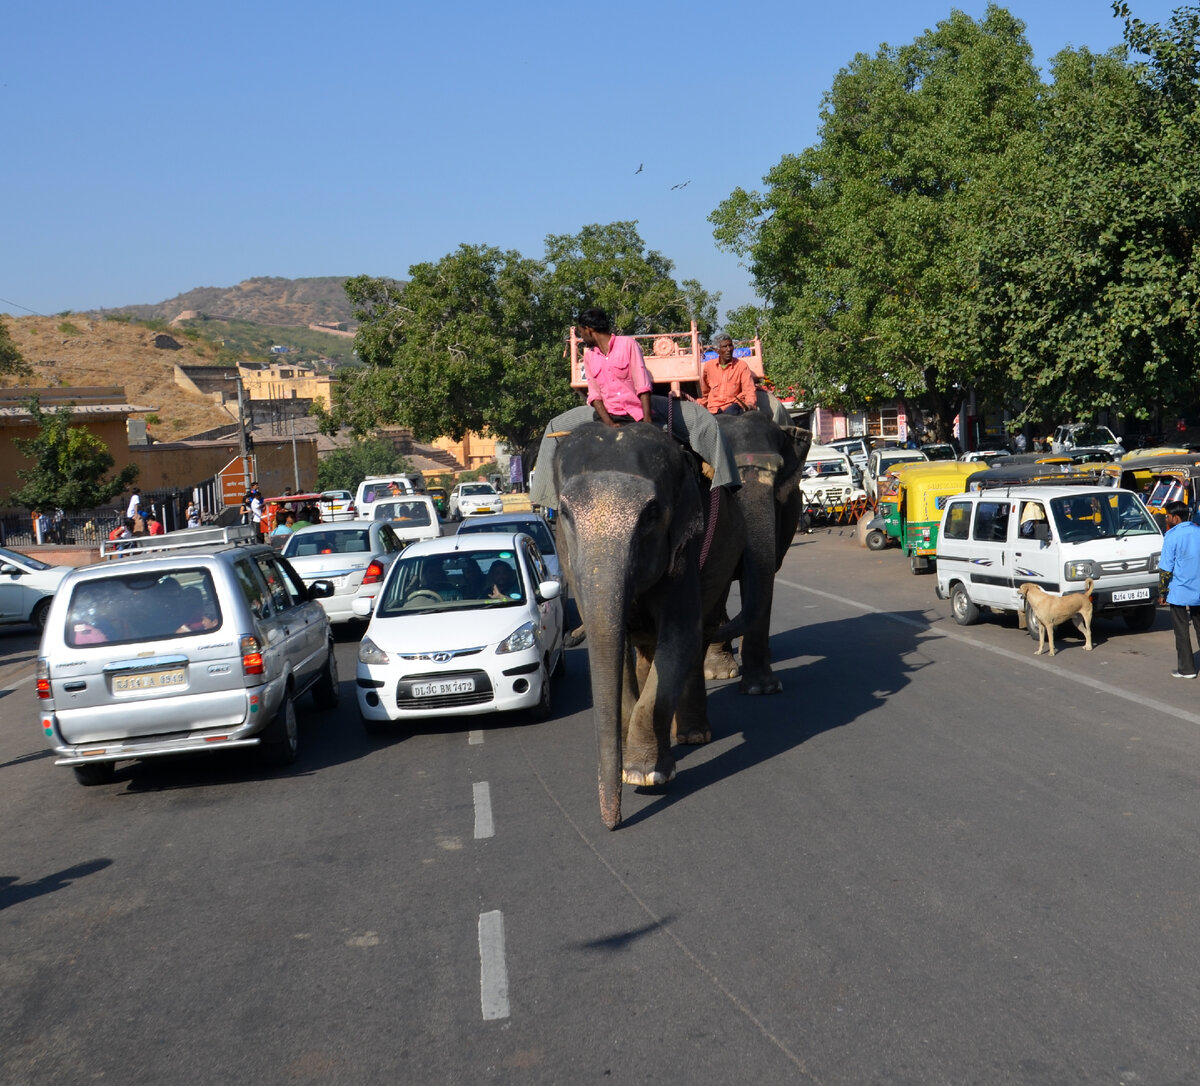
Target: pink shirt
{"points": [[617, 379]]}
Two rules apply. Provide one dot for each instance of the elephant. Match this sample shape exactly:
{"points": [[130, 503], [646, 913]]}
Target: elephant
{"points": [[631, 534], [770, 459]]}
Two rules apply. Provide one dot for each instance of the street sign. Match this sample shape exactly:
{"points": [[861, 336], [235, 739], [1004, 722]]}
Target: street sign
{"points": [[235, 479]]}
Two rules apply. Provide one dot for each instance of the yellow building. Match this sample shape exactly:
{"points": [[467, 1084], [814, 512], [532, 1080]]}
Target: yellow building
{"points": [[285, 381]]}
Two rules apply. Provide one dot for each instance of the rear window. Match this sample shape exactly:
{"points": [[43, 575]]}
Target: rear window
{"points": [[143, 607], [351, 541], [407, 514]]}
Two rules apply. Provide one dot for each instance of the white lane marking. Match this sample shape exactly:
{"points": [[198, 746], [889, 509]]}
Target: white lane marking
{"points": [[475, 737], [484, 827], [1139, 700], [17, 682], [493, 974]]}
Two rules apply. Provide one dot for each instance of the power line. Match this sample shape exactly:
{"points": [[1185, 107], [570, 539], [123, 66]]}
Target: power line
{"points": [[24, 307]]}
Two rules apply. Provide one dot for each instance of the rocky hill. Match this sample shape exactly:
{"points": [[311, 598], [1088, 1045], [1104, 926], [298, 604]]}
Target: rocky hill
{"points": [[265, 300]]}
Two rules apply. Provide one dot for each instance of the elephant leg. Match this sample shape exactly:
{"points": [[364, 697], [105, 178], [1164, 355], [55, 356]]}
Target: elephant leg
{"points": [[691, 727], [720, 663], [647, 757], [757, 675]]}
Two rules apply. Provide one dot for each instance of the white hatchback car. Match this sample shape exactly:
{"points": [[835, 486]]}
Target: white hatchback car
{"points": [[352, 554], [472, 499], [464, 625], [26, 588]]}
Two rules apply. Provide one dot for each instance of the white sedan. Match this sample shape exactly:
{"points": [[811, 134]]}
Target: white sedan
{"points": [[464, 625], [353, 554], [26, 588]]}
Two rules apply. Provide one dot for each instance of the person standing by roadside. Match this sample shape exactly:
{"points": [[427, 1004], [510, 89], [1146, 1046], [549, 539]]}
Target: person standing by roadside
{"points": [[1181, 561], [256, 510], [135, 504], [193, 515], [726, 383]]}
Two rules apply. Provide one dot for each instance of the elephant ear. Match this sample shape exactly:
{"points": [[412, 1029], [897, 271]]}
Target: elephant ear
{"points": [[687, 522], [795, 445]]}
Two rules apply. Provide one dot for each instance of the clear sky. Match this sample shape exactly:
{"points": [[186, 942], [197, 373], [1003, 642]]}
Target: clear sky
{"points": [[150, 148]]}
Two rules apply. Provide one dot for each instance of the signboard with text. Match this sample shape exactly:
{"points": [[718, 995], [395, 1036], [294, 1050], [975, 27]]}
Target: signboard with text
{"points": [[235, 479]]}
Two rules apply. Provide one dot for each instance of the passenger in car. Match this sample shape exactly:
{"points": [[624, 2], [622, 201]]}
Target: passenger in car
{"points": [[501, 581]]}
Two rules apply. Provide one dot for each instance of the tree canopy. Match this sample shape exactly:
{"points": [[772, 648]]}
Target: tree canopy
{"points": [[475, 341], [961, 225], [344, 469], [11, 360], [69, 464]]}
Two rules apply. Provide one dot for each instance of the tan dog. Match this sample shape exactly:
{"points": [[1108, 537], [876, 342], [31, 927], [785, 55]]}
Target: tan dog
{"points": [[1051, 611]]}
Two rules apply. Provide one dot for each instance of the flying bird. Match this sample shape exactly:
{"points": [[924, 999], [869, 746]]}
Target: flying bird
{"points": [[681, 185], [639, 169]]}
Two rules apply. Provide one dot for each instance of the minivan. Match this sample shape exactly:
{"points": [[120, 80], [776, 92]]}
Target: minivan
{"points": [[376, 488]]}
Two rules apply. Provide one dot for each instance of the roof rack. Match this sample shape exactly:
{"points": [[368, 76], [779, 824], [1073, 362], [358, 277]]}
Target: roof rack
{"points": [[140, 545]]}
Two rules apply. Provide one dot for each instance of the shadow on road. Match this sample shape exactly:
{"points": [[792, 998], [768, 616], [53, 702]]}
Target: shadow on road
{"points": [[13, 891]]}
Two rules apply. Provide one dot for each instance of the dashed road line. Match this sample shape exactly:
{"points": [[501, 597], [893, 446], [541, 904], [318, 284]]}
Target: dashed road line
{"points": [[493, 974], [475, 737], [484, 826]]}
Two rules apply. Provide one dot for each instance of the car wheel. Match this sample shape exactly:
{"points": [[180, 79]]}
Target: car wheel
{"points": [[1031, 624], [965, 612], [1140, 618], [876, 540], [325, 689], [281, 738], [40, 610], [542, 710], [95, 773]]}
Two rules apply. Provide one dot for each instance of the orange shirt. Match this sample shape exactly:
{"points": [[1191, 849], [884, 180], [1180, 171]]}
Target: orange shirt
{"points": [[722, 385]]}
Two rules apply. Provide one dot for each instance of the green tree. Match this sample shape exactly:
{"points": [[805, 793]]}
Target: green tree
{"points": [[475, 341], [865, 246], [1095, 287], [69, 464], [11, 360], [344, 469]]}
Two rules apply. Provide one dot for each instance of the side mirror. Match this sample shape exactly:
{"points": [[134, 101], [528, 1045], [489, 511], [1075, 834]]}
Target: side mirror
{"points": [[550, 590], [9, 568], [320, 590], [362, 606]]}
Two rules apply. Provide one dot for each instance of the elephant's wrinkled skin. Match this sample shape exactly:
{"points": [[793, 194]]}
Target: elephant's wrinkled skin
{"points": [[770, 459], [630, 533]]}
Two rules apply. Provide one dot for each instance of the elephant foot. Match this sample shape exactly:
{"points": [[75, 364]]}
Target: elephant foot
{"points": [[648, 773], [719, 662], [755, 685], [694, 737], [574, 637]]}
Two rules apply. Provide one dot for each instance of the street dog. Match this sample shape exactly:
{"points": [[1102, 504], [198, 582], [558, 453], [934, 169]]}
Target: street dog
{"points": [[1051, 611]]}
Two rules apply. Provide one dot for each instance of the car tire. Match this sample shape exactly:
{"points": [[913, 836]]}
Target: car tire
{"points": [[560, 668], [876, 540], [40, 610], [545, 706], [965, 612], [1031, 624], [325, 689], [1140, 618], [281, 738], [95, 773]]}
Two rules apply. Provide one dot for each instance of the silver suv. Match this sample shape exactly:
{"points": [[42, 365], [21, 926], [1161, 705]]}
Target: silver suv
{"points": [[195, 640]]}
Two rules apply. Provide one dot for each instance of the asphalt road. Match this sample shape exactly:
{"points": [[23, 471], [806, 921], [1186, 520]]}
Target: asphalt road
{"points": [[932, 859]]}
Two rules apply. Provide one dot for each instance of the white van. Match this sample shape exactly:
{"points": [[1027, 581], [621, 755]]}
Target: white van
{"points": [[381, 487], [1056, 537]]}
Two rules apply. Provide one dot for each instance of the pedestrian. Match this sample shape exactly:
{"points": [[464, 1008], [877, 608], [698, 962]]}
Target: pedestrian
{"points": [[1180, 562], [193, 515], [42, 525], [726, 383], [256, 510], [135, 504]]}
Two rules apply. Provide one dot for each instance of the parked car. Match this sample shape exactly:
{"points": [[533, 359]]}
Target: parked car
{"points": [[986, 455], [1058, 537], [198, 640], [880, 460], [940, 450], [381, 487], [1077, 435], [464, 625], [857, 449], [530, 523], [411, 518], [827, 485], [336, 505], [351, 554], [26, 587], [472, 499]]}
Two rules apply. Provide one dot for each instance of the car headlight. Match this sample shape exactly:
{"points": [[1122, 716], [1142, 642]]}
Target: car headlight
{"points": [[370, 653], [1153, 564], [522, 638], [1081, 570]]}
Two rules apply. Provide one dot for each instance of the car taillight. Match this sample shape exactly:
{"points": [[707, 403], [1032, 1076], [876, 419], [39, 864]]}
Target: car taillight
{"points": [[43, 678], [374, 573], [252, 661]]}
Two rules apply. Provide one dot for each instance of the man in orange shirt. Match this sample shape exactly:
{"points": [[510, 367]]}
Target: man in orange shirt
{"points": [[726, 383]]}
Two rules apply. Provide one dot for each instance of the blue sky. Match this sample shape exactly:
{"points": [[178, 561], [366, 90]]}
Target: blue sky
{"points": [[153, 148]]}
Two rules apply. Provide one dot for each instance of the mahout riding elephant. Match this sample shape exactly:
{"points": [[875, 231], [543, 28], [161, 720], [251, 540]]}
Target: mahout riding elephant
{"points": [[631, 534], [770, 459]]}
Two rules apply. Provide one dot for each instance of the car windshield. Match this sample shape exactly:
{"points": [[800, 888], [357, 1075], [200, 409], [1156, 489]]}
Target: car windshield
{"points": [[143, 607], [534, 527], [336, 496], [1098, 435], [478, 488], [1081, 517], [889, 459], [21, 560], [349, 541], [939, 452], [409, 514], [458, 580], [815, 468]]}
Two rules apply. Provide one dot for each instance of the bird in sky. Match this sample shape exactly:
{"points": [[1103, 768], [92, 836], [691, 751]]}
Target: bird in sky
{"points": [[639, 169], [681, 185]]}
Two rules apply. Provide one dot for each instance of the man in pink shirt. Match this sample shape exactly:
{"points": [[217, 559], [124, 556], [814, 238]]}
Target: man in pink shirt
{"points": [[618, 381]]}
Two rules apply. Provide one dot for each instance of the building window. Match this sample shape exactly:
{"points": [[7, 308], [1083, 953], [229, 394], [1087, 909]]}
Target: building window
{"points": [[884, 423]]}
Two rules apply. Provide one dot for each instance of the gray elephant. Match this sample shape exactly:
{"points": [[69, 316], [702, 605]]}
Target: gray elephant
{"points": [[770, 459], [631, 533]]}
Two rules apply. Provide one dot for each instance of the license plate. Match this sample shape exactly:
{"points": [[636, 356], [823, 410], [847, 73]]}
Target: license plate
{"points": [[1129, 594], [443, 686], [150, 680]]}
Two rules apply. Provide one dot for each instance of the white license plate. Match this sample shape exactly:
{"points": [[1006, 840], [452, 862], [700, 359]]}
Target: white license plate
{"points": [[1130, 594], [443, 686], [151, 680]]}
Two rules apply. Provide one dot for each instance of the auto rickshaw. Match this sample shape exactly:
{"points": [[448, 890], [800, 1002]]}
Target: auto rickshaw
{"points": [[1172, 479], [912, 497], [441, 500], [1046, 474]]}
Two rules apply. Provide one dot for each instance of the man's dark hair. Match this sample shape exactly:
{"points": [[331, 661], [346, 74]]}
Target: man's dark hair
{"points": [[596, 320], [1178, 509]]}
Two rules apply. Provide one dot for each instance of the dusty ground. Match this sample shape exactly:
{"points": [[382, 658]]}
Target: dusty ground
{"points": [[66, 351]]}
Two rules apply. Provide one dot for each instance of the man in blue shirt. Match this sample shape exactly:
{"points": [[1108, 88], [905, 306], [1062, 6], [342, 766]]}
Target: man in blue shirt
{"points": [[1181, 559]]}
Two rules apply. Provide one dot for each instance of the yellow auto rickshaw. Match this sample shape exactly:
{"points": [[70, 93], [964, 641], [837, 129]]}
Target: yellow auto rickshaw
{"points": [[909, 511]]}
